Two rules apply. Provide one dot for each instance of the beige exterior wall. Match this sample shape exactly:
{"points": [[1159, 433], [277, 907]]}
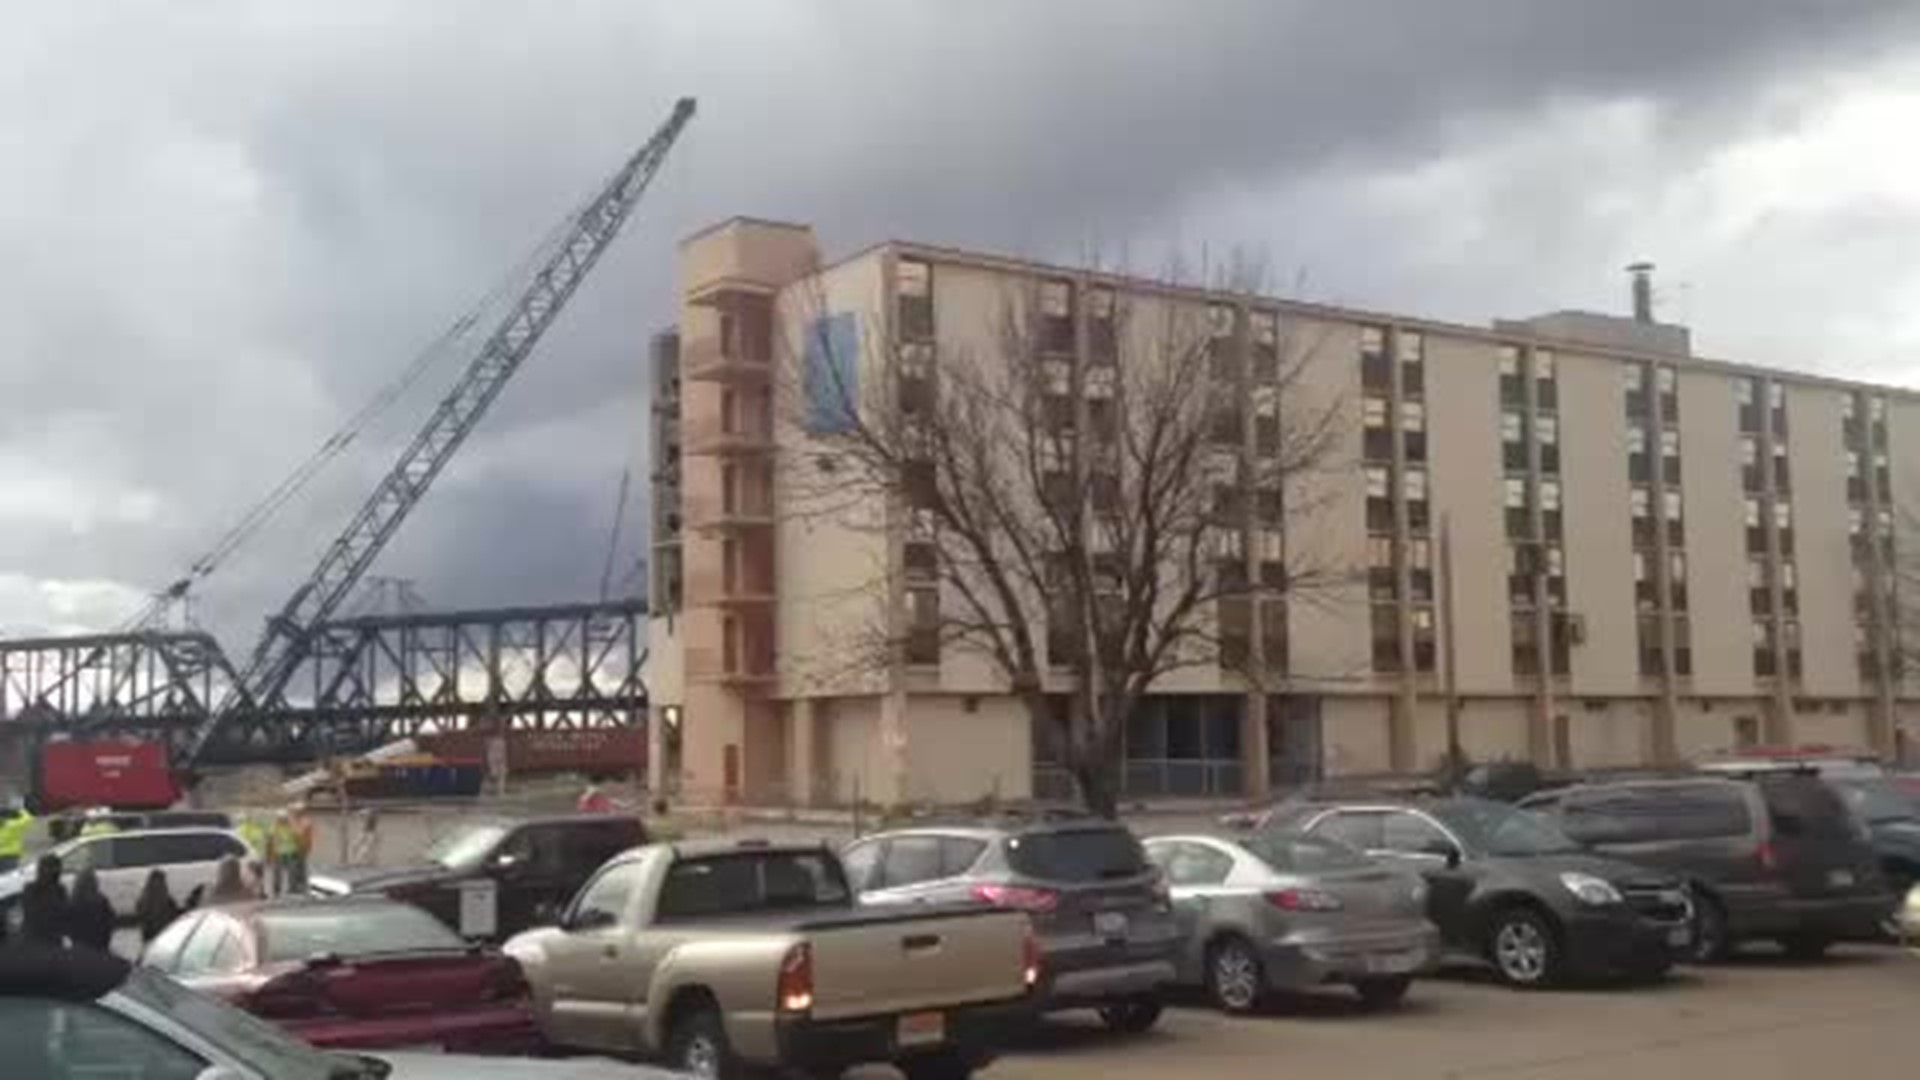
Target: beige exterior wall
{"points": [[1823, 556], [1599, 537], [956, 754], [1326, 512], [1463, 423], [1716, 536], [1903, 444], [1354, 732]]}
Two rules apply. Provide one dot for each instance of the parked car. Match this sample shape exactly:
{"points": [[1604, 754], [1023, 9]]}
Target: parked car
{"points": [[122, 861], [70, 1013], [492, 878], [1288, 912], [363, 972], [1772, 856], [723, 957], [1891, 815], [1104, 918], [1507, 887]]}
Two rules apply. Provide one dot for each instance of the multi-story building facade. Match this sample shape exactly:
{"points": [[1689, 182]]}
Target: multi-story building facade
{"points": [[1589, 546]]}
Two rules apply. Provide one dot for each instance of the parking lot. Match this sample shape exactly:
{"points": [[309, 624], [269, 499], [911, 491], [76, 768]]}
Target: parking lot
{"points": [[1850, 1017]]}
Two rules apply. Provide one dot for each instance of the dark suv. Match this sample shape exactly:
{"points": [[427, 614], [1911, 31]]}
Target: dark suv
{"points": [[1772, 856], [492, 878], [1106, 928], [1506, 887]]}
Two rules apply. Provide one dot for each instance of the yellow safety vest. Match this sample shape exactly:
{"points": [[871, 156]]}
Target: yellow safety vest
{"points": [[99, 828], [285, 842], [255, 836], [13, 836]]}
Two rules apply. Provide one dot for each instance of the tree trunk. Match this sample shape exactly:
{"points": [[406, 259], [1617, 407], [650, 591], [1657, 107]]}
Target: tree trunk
{"points": [[1097, 790]]}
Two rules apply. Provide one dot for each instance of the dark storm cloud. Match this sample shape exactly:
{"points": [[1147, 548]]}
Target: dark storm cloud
{"points": [[240, 220]]}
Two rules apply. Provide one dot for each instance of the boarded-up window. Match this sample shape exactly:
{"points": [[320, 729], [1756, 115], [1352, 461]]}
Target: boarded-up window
{"points": [[833, 373]]}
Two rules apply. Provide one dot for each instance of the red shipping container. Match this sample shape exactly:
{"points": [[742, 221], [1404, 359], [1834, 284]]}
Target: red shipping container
{"points": [[595, 751], [122, 775]]}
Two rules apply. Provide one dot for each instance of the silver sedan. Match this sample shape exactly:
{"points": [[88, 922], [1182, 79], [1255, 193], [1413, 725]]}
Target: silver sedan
{"points": [[1288, 912]]}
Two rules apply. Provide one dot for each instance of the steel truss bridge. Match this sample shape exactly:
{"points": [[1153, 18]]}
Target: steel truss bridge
{"points": [[366, 681]]}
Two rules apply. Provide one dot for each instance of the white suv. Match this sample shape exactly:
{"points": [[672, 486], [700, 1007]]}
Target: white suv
{"points": [[122, 860]]}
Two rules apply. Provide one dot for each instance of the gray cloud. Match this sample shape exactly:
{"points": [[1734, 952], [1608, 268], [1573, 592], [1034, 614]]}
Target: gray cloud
{"points": [[239, 220]]}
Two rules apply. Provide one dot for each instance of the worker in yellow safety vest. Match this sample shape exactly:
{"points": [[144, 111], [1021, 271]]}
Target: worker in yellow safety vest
{"points": [[285, 855], [98, 824], [13, 838], [254, 834]]}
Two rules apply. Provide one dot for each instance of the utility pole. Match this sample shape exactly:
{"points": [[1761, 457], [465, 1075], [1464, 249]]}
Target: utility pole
{"points": [[1451, 669]]}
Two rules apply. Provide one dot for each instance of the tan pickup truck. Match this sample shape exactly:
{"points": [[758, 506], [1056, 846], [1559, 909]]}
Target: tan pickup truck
{"points": [[724, 956]]}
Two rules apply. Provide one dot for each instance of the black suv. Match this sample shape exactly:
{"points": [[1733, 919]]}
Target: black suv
{"points": [[530, 868], [1771, 856], [1106, 928], [1506, 887]]}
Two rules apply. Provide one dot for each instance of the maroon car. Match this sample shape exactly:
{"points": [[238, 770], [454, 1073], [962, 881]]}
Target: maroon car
{"points": [[361, 972]]}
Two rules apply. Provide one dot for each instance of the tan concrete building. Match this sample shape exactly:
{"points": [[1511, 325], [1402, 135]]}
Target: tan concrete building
{"points": [[1653, 555]]}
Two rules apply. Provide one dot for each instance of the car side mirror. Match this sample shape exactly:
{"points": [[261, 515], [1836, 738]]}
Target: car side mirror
{"points": [[506, 865], [1443, 849]]}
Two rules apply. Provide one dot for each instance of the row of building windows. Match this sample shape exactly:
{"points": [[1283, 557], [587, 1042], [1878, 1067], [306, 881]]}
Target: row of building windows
{"points": [[1243, 355]]}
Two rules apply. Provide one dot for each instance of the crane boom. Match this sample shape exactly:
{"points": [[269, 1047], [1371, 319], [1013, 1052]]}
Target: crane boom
{"points": [[288, 635]]}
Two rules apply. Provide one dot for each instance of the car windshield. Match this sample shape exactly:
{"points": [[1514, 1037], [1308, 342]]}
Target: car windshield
{"points": [[1878, 801], [465, 846], [259, 1045], [1498, 829], [351, 930]]}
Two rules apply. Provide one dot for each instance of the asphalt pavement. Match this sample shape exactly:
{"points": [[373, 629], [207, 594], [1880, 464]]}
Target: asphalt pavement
{"points": [[1850, 1017]]}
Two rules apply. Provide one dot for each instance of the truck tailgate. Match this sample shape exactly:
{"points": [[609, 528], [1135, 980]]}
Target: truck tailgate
{"points": [[874, 961]]}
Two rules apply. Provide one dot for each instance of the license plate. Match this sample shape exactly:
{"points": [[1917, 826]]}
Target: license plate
{"points": [[1840, 879], [1680, 936], [921, 1029], [1392, 963], [1110, 924]]}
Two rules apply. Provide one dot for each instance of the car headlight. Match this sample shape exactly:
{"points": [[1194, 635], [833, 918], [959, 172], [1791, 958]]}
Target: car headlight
{"points": [[1589, 889]]}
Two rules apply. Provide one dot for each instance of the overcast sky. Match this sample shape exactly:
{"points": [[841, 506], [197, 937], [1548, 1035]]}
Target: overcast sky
{"points": [[226, 224]]}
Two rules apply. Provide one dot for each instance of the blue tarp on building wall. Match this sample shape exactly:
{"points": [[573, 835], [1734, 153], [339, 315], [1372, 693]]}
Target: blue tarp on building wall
{"points": [[832, 373]]}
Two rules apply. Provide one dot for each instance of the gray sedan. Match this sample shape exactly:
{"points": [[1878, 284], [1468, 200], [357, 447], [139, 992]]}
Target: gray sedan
{"points": [[1288, 912]]}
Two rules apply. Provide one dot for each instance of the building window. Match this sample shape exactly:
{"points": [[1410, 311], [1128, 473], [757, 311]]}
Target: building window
{"points": [[1102, 339], [1386, 638], [1056, 316], [1519, 511], [923, 628], [1379, 499], [1513, 389], [1411, 347], [914, 289], [1383, 579]]}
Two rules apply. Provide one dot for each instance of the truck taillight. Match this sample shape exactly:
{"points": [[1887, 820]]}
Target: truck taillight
{"points": [[1030, 952], [795, 991], [1037, 901], [1769, 862]]}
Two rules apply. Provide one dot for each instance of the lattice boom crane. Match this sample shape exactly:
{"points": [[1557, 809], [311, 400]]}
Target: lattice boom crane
{"points": [[288, 635]]}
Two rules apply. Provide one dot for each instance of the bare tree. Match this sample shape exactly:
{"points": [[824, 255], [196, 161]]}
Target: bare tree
{"points": [[1097, 499]]}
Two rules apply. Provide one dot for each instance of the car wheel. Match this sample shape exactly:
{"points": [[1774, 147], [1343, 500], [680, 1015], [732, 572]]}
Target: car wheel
{"points": [[1805, 947], [698, 1046], [1235, 979], [1524, 949], [1711, 945], [1131, 1017], [1383, 993], [944, 1066]]}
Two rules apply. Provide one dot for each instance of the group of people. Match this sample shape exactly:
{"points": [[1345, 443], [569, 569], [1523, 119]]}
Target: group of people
{"points": [[83, 917], [285, 846]]}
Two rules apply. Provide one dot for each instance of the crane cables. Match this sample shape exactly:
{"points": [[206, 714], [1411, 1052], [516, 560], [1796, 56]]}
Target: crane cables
{"points": [[258, 516]]}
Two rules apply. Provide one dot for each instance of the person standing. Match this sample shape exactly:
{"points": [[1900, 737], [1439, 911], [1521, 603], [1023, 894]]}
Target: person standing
{"points": [[230, 883], [43, 904], [302, 827], [13, 837], [156, 909], [89, 914]]}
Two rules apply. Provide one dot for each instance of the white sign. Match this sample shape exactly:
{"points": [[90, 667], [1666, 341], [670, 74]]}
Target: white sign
{"points": [[479, 908]]}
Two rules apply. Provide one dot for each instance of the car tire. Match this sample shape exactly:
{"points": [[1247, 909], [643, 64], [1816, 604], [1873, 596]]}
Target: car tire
{"points": [[1236, 981], [697, 1046], [942, 1066], [1385, 992], [1132, 1017], [1524, 949], [1805, 947], [1711, 943]]}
